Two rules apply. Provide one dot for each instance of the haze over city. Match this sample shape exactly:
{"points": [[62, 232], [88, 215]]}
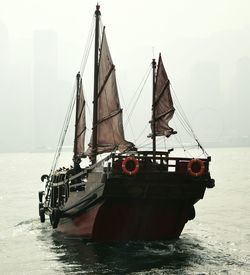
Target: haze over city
{"points": [[204, 44]]}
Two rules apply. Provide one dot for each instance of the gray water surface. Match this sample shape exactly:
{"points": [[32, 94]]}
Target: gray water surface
{"points": [[216, 242]]}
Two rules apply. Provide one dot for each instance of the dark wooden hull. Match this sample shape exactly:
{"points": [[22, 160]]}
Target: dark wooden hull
{"points": [[129, 220], [154, 204], [155, 207]]}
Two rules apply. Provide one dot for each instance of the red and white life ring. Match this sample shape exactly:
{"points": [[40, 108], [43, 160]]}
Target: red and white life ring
{"points": [[201, 169], [135, 169]]}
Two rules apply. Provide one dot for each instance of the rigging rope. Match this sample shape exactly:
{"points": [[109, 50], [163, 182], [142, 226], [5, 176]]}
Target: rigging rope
{"points": [[124, 103], [158, 142], [143, 131], [87, 48], [140, 89], [72, 101], [180, 115], [185, 122], [64, 131]]}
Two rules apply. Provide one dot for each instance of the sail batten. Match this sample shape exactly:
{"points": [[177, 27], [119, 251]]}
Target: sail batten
{"points": [[110, 133], [163, 104], [105, 80], [109, 116]]}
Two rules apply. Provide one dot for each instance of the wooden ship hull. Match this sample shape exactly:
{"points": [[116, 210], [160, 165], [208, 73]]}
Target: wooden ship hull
{"points": [[153, 204], [126, 219]]}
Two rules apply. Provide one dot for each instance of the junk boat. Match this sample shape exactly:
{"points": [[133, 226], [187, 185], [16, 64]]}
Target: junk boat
{"points": [[129, 194]]}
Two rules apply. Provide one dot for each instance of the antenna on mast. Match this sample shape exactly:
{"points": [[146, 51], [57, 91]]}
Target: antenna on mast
{"points": [[153, 52]]}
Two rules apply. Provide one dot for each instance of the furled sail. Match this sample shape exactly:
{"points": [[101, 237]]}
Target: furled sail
{"points": [[163, 103], [80, 123], [110, 134]]}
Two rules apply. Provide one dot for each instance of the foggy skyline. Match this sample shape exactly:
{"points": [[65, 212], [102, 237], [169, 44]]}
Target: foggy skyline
{"points": [[208, 69]]}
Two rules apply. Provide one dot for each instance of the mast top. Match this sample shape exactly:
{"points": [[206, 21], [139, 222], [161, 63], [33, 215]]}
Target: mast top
{"points": [[97, 11], [153, 63]]}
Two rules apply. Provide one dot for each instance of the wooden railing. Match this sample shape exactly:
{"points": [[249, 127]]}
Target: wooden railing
{"points": [[162, 161]]}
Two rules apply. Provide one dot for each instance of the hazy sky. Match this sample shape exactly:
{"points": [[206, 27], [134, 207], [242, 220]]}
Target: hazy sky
{"points": [[191, 18], [196, 38], [159, 24]]}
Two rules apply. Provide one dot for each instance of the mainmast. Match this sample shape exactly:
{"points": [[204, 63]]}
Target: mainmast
{"points": [[153, 110], [95, 102]]}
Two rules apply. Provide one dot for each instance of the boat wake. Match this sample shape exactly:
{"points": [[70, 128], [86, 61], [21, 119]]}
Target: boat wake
{"points": [[30, 226], [27, 222], [187, 255]]}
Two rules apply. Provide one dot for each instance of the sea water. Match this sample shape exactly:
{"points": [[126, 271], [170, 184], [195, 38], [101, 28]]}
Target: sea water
{"points": [[217, 241]]}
